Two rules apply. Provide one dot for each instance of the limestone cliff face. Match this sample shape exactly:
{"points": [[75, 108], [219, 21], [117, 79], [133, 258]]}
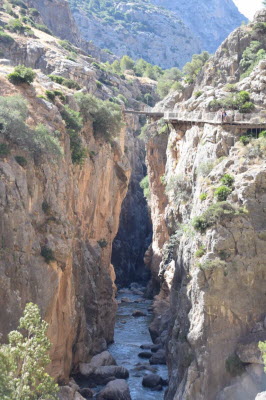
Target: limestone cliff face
{"points": [[75, 292], [212, 267]]}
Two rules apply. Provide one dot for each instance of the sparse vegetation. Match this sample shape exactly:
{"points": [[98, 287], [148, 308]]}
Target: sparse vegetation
{"points": [[39, 141], [4, 150], [200, 252], [21, 161], [145, 186], [47, 254], [212, 264], [203, 196], [251, 57], [21, 74], [235, 101], [214, 213], [228, 180], [105, 115]]}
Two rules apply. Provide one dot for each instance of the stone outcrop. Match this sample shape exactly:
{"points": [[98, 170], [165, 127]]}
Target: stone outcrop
{"points": [[211, 276]]}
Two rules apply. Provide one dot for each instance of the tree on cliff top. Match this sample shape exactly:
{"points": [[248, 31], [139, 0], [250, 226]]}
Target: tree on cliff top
{"points": [[23, 360]]}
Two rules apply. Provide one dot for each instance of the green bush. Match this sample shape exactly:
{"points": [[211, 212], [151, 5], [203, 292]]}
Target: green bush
{"points": [[203, 196], [21, 75], [212, 264], [198, 94], [105, 115], [262, 134], [4, 150], [71, 84], [33, 12], [21, 161], [145, 186], [234, 366], [46, 142], [57, 79], [47, 254], [65, 82], [222, 192], [72, 118], [67, 46], [213, 214], [5, 38], [245, 139], [247, 107], [200, 252], [235, 101], [50, 95], [228, 180], [78, 151], [15, 25], [43, 28], [45, 207]]}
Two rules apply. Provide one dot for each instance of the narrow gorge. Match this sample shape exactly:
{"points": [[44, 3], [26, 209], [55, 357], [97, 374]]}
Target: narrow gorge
{"points": [[132, 203]]}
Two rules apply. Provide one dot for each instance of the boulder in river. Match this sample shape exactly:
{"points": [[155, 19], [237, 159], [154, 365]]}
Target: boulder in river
{"points": [[126, 300], [86, 393], [102, 375], [104, 358], [145, 354], [139, 313], [115, 390], [151, 381], [158, 358]]}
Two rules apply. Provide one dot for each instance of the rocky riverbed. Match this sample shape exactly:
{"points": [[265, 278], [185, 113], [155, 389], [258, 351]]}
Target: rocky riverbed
{"points": [[133, 367]]}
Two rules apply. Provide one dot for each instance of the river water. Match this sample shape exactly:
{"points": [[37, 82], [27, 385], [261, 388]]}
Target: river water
{"points": [[130, 334]]}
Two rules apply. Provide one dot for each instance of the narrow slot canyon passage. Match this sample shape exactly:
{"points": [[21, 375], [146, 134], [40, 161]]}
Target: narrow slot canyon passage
{"points": [[133, 348]]}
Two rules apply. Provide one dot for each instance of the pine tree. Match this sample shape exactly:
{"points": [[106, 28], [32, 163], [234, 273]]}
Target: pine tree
{"points": [[23, 360]]}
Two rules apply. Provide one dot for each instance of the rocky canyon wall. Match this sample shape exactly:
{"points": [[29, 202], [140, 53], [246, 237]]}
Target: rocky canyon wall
{"points": [[209, 250]]}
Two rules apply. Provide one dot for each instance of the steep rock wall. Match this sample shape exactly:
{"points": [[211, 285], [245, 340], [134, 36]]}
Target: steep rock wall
{"points": [[213, 265], [76, 291]]}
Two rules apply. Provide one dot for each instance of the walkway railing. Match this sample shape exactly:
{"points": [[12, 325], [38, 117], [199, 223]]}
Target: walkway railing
{"points": [[232, 118], [201, 116]]}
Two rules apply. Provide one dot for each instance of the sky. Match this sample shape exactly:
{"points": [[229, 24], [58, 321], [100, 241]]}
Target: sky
{"points": [[248, 7]]}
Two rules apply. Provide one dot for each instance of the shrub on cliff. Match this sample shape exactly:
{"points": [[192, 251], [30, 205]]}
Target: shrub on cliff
{"points": [[214, 213], [5, 38], [24, 359], [21, 74], [39, 141], [145, 186], [106, 116], [222, 192]]}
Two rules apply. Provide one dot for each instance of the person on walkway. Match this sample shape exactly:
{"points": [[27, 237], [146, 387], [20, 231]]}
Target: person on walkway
{"points": [[224, 115]]}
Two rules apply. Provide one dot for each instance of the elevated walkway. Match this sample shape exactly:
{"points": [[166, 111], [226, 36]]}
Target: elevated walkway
{"points": [[244, 121]]}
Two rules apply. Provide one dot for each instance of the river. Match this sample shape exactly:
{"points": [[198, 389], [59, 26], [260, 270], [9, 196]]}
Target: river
{"points": [[130, 334]]}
